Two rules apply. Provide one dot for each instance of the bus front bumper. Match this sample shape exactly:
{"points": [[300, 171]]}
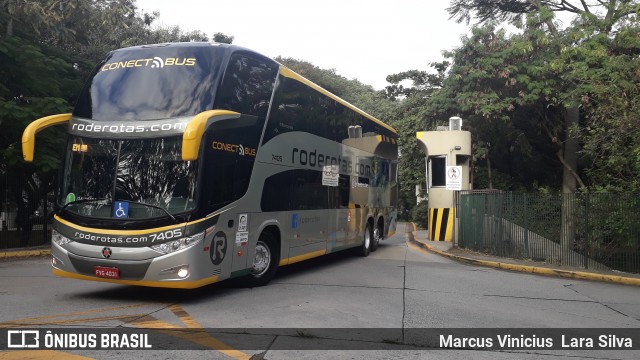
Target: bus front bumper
{"points": [[174, 270]]}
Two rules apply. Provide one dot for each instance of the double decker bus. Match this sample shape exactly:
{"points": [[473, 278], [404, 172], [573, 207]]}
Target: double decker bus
{"points": [[190, 163]]}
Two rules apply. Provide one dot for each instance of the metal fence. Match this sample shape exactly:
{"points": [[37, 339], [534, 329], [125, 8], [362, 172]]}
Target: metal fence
{"points": [[25, 225], [591, 230]]}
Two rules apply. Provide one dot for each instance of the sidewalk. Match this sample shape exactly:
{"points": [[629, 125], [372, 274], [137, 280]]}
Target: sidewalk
{"points": [[421, 238], [43, 250]]}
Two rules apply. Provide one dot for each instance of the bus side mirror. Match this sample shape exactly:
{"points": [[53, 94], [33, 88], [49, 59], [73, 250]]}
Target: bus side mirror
{"points": [[196, 128], [29, 134]]}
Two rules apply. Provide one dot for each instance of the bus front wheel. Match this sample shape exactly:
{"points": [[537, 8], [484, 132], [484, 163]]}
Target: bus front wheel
{"points": [[265, 261]]}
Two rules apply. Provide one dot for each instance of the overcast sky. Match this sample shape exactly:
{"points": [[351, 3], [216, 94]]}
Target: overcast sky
{"points": [[366, 40]]}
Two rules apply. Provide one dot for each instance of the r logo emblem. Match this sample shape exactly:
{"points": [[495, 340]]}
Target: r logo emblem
{"points": [[218, 248]]}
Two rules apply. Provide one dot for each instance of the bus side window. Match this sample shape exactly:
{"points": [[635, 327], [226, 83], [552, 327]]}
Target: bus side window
{"points": [[293, 190], [229, 156], [247, 85], [297, 107]]}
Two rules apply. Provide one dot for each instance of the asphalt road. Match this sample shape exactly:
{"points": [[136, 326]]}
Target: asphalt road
{"points": [[396, 289]]}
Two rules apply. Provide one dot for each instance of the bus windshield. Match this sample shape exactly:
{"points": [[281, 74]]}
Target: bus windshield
{"points": [[148, 175]]}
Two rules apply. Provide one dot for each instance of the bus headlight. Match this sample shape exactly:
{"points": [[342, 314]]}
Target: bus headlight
{"points": [[180, 244], [59, 239], [182, 271]]}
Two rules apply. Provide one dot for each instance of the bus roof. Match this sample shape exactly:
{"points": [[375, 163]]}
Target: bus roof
{"points": [[284, 71], [187, 44]]}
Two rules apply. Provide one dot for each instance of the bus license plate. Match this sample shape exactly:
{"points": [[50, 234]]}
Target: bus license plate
{"points": [[107, 272]]}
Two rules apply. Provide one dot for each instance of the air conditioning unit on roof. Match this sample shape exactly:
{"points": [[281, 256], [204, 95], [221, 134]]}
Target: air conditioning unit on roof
{"points": [[455, 123]]}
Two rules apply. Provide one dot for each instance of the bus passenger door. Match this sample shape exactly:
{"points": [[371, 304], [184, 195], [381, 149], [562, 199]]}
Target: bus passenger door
{"points": [[358, 198], [309, 231], [310, 222], [341, 216]]}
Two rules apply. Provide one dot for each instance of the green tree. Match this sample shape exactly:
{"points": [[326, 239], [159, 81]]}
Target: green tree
{"points": [[568, 73], [495, 85], [600, 18], [413, 92], [36, 83], [604, 72], [222, 38], [33, 16], [47, 49]]}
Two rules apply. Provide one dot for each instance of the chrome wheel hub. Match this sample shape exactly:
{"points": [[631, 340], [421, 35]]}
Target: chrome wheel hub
{"points": [[376, 235], [261, 260], [367, 238]]}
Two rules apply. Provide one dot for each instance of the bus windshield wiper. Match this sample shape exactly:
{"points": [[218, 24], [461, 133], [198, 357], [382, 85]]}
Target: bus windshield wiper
{"points": [[131, 202], [153, 206], [81, 201]]}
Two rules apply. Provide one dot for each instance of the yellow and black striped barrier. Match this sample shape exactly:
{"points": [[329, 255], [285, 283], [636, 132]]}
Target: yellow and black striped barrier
{"points": [[441, 224]]}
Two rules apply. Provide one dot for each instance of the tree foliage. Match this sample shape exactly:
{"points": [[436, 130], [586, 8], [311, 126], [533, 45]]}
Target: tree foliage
{"points": [[47, 49], [534, 97], [222, 38], [413, 90], [501, 86], [555, 71], [606, 12], [604, 73]]}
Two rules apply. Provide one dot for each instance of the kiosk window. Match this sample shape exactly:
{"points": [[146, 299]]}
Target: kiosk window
{"points": [[438, 171]]}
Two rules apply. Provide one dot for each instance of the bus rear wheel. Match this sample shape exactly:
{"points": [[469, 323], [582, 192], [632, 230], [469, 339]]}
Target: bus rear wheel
{"points": [[375, 241], [265, 261], [365, 248]]}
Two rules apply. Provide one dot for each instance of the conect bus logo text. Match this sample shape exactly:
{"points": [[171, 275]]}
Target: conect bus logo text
{"points": [[239, 149], [155, 63]]}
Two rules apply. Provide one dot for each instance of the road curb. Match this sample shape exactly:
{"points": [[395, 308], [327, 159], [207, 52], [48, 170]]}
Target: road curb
{"points": [[24, 253], [532, 269]]}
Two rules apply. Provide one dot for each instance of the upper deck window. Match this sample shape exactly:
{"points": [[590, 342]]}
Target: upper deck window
{"points": [[152, 83], [247, 85]]}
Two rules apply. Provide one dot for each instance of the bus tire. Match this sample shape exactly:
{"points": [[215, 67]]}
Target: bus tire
{"points": [[265, 261], [365, 248], [375, 240]]}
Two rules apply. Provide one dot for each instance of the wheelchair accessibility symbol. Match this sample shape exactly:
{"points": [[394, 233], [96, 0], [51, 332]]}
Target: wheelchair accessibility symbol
{"points": [[121, 210]]}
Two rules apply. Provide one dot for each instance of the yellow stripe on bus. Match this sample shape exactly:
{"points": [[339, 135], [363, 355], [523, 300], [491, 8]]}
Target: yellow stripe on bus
{"points": [[131, 232], [116, 232], [302, 257], [196, 127]]}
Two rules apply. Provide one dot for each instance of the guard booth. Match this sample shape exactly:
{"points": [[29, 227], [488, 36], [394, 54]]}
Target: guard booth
{"points": [[448, 154]]}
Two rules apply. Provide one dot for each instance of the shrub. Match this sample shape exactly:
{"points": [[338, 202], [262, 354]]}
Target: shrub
{"points": [[420, 214]]}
